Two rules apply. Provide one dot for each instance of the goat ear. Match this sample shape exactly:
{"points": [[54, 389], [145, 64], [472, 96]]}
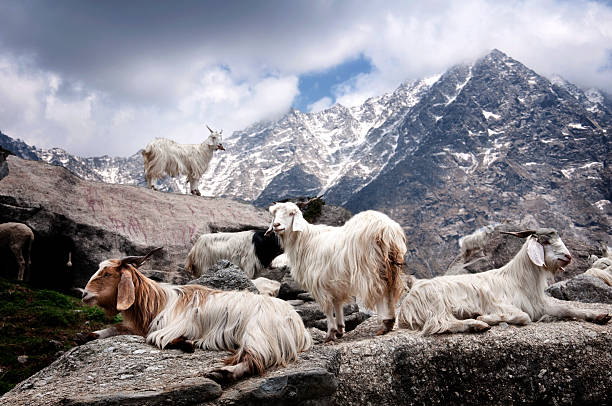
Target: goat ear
{"points": [[299, 224], [535, 251], [138, 261], [125, 291]]}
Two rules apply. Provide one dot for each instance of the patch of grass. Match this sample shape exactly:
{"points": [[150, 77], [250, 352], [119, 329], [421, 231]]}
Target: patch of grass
{"points": [[40, 325]]}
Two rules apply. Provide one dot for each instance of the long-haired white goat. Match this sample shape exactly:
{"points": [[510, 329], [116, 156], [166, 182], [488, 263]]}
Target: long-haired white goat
{"points": [[513, 293], [250, 250], [362, 258], [261, 331], [165, 157], [602, 269]]}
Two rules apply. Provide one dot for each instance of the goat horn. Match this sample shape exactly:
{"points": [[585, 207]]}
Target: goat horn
{"points": [[209, 129], [137, 261], [519, 234], [306, 203]]}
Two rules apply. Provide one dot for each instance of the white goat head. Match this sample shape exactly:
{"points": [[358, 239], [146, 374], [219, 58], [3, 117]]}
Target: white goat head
{"points": [[286, 217], [214, 139], [545, 248], [112, 286]]}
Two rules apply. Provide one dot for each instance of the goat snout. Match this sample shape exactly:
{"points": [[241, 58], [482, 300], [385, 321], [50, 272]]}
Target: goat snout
{"points": [[87, 296]]}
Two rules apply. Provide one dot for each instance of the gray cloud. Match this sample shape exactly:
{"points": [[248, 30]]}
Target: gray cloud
{"points": [[107, 76]]}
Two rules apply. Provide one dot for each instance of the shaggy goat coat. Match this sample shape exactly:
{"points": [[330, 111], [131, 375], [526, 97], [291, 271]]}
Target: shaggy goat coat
{"points": [[250, 250], [166, 157], [260, 330], [18, 238], [363, 258], [513, 293]]}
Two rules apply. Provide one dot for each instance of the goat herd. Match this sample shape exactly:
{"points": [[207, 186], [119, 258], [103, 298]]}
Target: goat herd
{"points": [[364, 258]]}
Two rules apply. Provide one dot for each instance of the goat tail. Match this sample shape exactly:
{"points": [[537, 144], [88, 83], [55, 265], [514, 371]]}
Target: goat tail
{"points": [[392, 243]]}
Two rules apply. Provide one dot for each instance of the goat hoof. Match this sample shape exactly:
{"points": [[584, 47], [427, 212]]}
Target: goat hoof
{"points": [[182, 344], [340, 332], [386, 327], [480, 327], [602, 318], [331, 336], [196, 193], [220, 376]]}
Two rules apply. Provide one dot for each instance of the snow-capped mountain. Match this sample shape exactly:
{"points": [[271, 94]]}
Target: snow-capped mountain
{"points": [[443, 156]]}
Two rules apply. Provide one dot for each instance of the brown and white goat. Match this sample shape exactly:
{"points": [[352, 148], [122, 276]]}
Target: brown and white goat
{"points": [[362, 258], [261, 331], [513, 293]]}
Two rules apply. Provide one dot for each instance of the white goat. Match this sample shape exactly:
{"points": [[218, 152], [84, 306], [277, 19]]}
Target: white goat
{"points": [[18, 238], [250, 250], [475, 241], [602, 269], [363, 258], [267, 287], [165, 157], [513, 293], [260, 330]]}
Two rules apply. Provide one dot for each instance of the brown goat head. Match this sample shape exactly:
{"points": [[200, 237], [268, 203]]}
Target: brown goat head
{"points": [[112, 286]]}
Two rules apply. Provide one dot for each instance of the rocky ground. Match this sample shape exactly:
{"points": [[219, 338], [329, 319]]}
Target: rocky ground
{"points": [[542, 363]]}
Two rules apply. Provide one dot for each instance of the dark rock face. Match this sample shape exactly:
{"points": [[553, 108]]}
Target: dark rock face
{"points": [[225, 276], [104, 221], [489, 142], [582, 288], [560, 363]]}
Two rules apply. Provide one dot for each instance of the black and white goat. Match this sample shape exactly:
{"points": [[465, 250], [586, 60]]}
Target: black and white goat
{"points": [[261, 331], [513, 293], [250, 250], [165, 157]]}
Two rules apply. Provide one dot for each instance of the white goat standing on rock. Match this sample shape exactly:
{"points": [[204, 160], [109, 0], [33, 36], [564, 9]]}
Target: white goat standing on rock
{"points": [[165, 157], [18, 238], [513, 293], [261, 331], [363, 258]]}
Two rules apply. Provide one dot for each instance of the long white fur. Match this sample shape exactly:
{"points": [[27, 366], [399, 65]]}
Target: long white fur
{"points": [[604, 274], [336, 263], [268, 328], [234, 247], [267, 287], [513, 293], [475, 241], [166, 157], [262, 328]]}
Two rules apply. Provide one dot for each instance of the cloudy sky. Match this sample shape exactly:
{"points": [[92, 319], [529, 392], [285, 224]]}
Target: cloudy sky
{"points": [[106, 77]]}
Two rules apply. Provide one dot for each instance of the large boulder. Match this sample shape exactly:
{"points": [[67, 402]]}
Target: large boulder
{"points": [[560, 363], [225, 276], [582, 288], [109, 221]]}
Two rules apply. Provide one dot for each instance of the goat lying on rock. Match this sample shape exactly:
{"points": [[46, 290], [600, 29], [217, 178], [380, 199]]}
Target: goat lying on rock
{"points": [[513, 293], [165, 157], [362, 258], [260, 330]]}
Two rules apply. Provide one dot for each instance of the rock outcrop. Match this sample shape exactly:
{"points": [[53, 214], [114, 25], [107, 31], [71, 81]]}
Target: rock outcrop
{"points": [[559, 363], [582, 288], [225, 276], [108, 221]]}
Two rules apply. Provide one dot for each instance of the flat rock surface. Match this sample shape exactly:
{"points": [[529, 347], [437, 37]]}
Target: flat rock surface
{"points": [[561, 362]]}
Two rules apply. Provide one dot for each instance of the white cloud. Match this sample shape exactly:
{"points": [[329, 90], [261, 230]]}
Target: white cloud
{"points": [[118, 85], [320, 105]]}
